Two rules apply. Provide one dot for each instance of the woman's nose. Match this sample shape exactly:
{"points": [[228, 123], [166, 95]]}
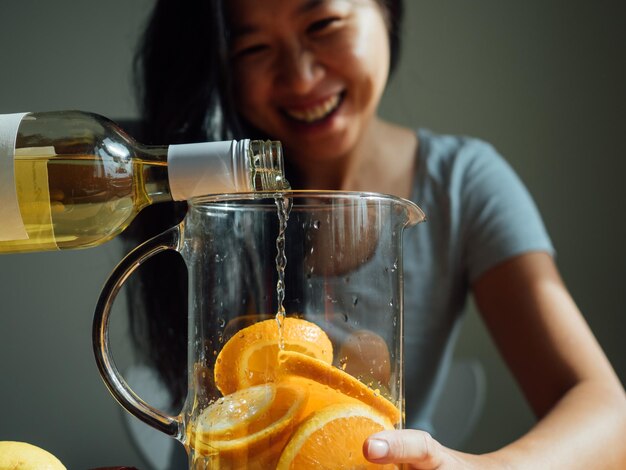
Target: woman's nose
{"points": [[299, 70]]}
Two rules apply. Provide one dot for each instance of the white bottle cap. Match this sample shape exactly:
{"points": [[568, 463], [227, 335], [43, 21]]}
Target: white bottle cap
{"points": [[202, 168]]}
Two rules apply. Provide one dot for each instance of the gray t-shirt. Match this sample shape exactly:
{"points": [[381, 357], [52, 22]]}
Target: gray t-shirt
{"points": [[478, 214]]}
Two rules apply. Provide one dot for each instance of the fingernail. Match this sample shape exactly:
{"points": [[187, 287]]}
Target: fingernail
{"points": [[377, 449]]}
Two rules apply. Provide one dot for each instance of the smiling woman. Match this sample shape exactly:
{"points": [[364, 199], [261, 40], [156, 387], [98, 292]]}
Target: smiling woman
{"points": [[539, 79], [311, 74]]}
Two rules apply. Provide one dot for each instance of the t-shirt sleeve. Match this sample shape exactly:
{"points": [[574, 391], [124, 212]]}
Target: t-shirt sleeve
{"points": [[499, 218]]}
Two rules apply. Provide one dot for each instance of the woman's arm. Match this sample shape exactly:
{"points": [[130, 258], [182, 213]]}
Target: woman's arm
{"points": [[560, 367]]}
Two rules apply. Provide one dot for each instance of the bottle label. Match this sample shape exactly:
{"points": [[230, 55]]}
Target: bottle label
{"points": [[11, 222]]}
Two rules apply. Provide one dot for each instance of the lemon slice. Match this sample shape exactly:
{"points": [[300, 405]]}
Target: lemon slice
{"points": [[232, 415], [250, 433]]}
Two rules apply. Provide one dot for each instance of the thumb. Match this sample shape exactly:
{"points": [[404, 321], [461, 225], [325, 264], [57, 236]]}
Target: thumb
{"points": [[417, 448]]}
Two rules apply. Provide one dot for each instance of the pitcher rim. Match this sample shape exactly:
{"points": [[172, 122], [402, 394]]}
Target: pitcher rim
{"points": [[415, 214]]}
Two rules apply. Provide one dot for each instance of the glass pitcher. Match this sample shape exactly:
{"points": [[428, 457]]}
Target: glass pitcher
{"points": [[295, 327]]}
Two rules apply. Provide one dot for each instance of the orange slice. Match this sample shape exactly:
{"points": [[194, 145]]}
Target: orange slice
{"points": [[252, 435], [317, 395], [294, 363], [333, 438], [250, 357]]}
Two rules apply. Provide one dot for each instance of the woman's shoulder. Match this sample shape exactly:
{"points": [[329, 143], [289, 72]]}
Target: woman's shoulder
{"points": [[449, 164], [446, 151]]}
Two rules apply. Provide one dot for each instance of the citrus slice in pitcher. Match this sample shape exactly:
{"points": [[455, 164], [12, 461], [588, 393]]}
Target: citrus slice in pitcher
{"points": [[333, 438], [250, 357], [233, 415], [255, 426], [292, 363], [318, 395]]}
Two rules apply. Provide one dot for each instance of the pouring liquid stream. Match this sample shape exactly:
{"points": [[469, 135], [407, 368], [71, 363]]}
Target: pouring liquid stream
{"points": [[283, 205]]}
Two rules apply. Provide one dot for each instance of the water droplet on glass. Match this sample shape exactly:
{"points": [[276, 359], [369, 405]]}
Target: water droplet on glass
{"points": [[355, 300], [316, 224], [221, 321], [345, 317]]}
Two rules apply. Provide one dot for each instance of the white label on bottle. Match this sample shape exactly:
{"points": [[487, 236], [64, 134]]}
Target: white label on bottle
{"points": [[11, 222], [200, 169]]}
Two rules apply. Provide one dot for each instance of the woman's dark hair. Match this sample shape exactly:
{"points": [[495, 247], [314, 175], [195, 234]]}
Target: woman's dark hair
{"points": [[183, 83]]}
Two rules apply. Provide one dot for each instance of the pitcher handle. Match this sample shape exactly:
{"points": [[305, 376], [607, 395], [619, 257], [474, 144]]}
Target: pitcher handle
{"points": [[168, 240]]}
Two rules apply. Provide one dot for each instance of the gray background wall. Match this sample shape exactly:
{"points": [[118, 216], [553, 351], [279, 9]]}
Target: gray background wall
{"points": [[542, 80]]}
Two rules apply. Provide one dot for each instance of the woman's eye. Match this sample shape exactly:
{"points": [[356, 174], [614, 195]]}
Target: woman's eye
{"points": [[322, 25], [250, 50]]}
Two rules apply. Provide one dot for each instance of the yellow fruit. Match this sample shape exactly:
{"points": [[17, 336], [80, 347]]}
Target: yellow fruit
{"points": [[253, 435], [250, 357], [333, 438], [301, 365], [23, 456]]}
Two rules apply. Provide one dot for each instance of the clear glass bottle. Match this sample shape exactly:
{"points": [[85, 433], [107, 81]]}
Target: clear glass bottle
{"points": [[71, 179]]}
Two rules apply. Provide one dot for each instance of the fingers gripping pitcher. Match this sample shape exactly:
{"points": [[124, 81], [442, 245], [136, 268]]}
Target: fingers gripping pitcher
{"points": [[295, 328]]}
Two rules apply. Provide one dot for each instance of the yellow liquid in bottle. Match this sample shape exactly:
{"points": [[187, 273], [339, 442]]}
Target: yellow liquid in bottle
{"points": [[74, 201]]}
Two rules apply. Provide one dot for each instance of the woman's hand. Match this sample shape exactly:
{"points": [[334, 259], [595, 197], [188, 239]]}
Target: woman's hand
{"points": [[422, 452]]}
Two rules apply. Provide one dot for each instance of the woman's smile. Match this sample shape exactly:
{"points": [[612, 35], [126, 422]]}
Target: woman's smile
{"points": [[316, 112]]}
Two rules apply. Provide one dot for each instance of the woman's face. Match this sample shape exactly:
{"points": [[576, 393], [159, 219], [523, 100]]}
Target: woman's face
{"points": [[309, 72]]}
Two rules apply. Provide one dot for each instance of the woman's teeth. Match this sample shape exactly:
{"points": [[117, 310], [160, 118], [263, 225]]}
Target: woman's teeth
{"points": [[315, 113]]}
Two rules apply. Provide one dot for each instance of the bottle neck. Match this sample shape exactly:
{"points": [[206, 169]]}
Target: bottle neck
{"points": [[153, 173], [266, 168]]}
